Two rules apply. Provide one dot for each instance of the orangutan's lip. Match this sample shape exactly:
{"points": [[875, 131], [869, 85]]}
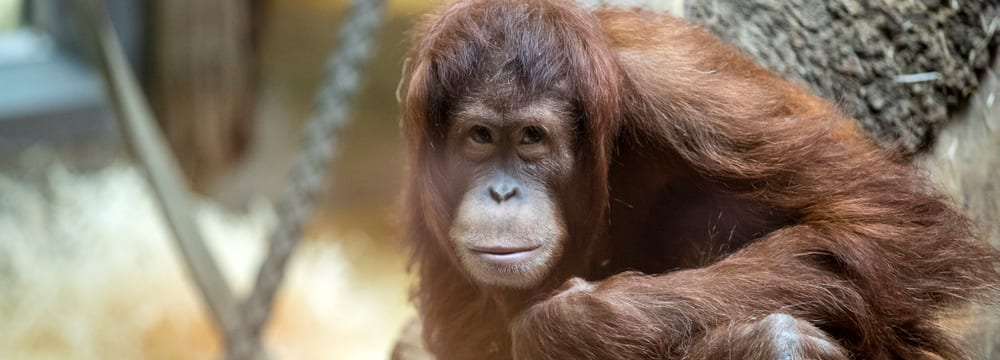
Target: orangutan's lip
{"points": [[502, 250], [503, 254]]}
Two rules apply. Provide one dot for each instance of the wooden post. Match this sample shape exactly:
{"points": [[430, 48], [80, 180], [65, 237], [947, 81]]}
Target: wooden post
{"points": [[201, 82]]}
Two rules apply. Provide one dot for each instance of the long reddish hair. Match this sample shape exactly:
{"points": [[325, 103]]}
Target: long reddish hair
{"points": [[875, 254], [548, 39]]}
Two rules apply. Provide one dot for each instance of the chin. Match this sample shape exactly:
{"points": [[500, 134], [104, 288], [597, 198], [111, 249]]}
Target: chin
{"points": [[521, 269]]}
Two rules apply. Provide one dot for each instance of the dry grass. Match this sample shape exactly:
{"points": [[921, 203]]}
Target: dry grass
{"points": [[89, 272]]}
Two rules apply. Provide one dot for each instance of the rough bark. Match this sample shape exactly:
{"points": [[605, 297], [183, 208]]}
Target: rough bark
{"points": [[864, 54]]}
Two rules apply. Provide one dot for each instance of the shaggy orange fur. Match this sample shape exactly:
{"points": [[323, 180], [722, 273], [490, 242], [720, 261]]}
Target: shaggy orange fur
{"points": [[717, 207]]}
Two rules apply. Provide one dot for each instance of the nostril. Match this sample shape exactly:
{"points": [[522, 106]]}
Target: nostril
{"points": [[503, 194], [495, 195], [510, 194]]}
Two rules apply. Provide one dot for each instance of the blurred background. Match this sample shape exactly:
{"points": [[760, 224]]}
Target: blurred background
{"points": [[89, 270]]}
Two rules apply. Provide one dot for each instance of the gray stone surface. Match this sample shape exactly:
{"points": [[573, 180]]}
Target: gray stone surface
{"points": [[901, 67]]}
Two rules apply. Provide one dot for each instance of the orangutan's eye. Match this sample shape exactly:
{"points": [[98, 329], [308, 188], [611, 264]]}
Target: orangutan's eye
{"points": [[481, 134], [532, 135]]}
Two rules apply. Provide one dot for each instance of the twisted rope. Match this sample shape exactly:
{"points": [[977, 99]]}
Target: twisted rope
{"points": [[340, 86]]}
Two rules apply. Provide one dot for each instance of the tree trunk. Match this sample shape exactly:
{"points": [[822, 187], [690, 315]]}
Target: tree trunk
{"points": [[201, 82]]}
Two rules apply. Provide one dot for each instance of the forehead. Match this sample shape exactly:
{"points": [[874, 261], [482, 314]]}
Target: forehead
{"points": [[544, 110]]}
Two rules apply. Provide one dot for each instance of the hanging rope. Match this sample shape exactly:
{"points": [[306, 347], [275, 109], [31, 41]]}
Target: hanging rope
{"points": [[340, 86], [241, 323]]}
